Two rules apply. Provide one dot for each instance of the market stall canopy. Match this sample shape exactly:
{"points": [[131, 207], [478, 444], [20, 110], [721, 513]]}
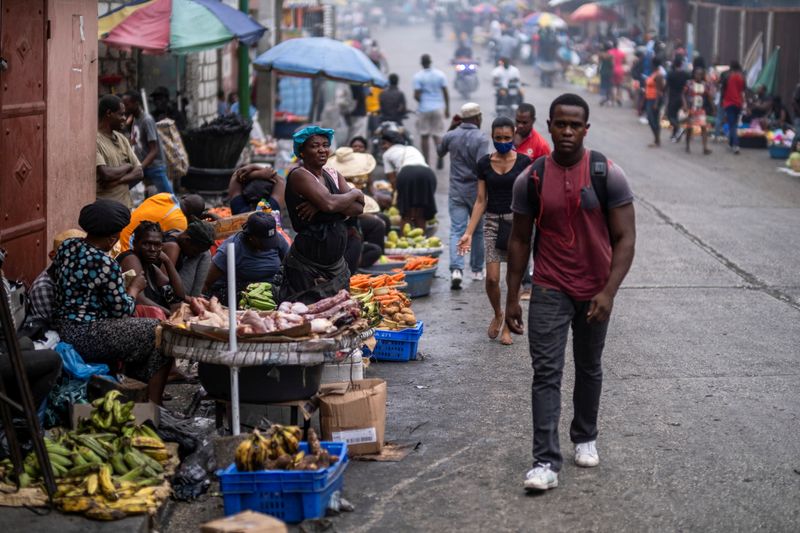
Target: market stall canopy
{"points": [[311, 57], [769, 74], [484, 9], [176, 26], [594, 12], [544, 19]]}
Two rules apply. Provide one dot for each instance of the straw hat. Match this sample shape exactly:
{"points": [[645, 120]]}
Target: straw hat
{"points": [[68, 234], [370, 205], [350, 163]]}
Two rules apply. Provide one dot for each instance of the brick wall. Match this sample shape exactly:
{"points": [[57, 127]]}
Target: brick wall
{"points": [[202, 83], [115, 61]]}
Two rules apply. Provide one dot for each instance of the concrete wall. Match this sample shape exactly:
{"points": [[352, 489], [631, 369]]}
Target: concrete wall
{"points": [[71, 111]]}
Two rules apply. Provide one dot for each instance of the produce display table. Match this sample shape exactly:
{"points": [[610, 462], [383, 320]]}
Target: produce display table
{"points": [[284, 351]]}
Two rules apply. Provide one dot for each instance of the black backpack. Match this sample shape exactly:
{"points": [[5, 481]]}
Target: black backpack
{"points": [[598, 168]]}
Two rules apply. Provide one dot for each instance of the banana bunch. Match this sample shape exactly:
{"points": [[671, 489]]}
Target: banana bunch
{"points": [[280, 450], [110, 414], [370, 309], [108, 469], [258, 296]]}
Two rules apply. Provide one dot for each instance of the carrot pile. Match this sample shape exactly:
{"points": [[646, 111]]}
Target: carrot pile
{"points": [[392, 299], [365, 282], [420, 263]]}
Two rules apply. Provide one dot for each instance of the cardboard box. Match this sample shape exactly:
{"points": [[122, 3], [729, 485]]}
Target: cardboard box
{"points": [[142, 412], [245, 522], [355, 413]]}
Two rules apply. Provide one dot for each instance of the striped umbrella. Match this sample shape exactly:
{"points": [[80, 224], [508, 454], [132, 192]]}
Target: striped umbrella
{"points": [[176, 26]]}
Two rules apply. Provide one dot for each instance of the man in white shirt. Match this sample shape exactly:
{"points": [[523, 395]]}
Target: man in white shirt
{"points": [[504, 72]]}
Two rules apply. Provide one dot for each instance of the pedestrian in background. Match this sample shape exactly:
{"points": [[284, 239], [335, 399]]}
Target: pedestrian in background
{"points": [[583, 210], [676, 84], [653, 93], [393, 102], [430, 90], [696, 100], [497, 173], [466, 144], [732, 87], [146, 142], [527, 141]]}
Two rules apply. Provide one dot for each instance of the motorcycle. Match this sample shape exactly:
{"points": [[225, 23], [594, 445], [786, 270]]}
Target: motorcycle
{"points": [[466, 81], [507, 99]]}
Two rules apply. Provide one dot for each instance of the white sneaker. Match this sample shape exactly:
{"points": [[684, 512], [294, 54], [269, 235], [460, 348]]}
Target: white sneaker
{"points": [[541, 477], [586, 454], [455, 279], [642, 120], [478, 276]]}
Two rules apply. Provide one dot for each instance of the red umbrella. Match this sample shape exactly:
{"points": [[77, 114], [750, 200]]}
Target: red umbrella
{"points": [[594, 12]]}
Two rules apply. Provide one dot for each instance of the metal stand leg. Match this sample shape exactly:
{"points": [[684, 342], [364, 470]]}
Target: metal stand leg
{"points": [[27, 407]]}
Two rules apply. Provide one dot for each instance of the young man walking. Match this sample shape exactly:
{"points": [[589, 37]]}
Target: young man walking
{"points": [[465, 144], [583, 209]]}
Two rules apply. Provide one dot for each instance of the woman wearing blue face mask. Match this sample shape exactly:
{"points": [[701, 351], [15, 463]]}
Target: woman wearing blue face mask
{"points": [[496, 175]]}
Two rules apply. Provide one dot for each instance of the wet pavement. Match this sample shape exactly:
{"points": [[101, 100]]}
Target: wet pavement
{"points": [[699, 414]]}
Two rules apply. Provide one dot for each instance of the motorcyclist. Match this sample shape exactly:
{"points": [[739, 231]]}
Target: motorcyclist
{"points": [[504, 73], [464, 50]]}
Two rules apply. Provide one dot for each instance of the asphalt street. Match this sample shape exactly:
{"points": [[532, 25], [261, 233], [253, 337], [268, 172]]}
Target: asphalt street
{"points": [[699, 413]]}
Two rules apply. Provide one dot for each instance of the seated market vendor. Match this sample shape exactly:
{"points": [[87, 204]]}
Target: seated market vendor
{"points": [[169, 211], [164, 288], [94, 309], [252, 183], [259, 250], [318, 200], [189, 252], [42, 367]]}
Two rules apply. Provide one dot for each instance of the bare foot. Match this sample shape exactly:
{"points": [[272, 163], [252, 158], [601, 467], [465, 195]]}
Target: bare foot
{"points": [[706, 151], [505, 338], [654, 145], [494, 327]]}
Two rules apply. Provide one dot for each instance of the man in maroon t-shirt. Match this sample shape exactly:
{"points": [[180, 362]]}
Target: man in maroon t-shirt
{"points": [[583, 252]]}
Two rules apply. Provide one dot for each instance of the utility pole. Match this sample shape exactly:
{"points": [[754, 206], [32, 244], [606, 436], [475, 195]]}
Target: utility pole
{"points": [[244, 70]]}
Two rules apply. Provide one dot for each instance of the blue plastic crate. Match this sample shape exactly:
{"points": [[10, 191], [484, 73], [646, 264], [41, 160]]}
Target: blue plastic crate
{"points": [[397, 345], [292, 496]]}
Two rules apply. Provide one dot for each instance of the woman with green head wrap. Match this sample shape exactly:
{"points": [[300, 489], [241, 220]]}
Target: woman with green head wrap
{"points": [[318, 200]]}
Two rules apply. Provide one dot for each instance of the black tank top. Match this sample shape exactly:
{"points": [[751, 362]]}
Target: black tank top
{"points": [[323, 239]]}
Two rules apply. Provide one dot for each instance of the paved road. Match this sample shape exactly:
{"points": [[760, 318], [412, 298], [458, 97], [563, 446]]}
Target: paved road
{"points": [[699, 416]]}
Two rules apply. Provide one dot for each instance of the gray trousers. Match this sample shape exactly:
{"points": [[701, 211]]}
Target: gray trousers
{"points": [[551, 314]]}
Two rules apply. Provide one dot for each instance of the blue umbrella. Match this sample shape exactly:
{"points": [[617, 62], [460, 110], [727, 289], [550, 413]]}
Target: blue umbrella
{"points": [[311, 57]]}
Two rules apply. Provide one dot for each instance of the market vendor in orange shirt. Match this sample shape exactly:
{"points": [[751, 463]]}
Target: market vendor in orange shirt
{"points": [[167, 210]]}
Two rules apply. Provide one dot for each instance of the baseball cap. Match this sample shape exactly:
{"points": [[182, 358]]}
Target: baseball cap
{"points": [[262, 226], [470, 109]]}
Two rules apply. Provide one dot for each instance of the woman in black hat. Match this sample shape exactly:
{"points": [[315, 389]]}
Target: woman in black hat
{"points": [[94, 308]]}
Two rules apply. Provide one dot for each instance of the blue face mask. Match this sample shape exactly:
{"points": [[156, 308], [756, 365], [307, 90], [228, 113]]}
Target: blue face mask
{"points": [[504, 148]]}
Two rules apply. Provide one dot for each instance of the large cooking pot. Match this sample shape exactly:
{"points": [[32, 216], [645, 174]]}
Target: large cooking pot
{"points": [[262, 384]]}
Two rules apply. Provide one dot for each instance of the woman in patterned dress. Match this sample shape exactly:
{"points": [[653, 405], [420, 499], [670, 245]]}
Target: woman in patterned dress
{"points": [[94, 309], [696, 98]]}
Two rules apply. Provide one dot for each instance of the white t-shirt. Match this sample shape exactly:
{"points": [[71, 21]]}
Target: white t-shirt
{"points": [[505, 75], [399, 156]]}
